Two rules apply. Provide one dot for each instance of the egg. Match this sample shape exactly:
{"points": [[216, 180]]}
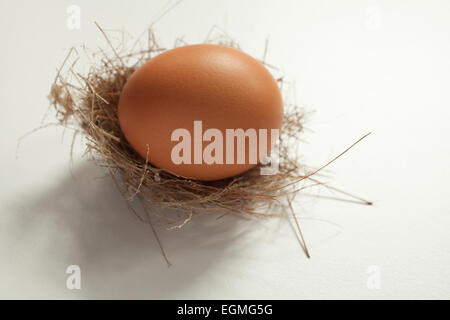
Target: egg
{"points": [[195, 111]]}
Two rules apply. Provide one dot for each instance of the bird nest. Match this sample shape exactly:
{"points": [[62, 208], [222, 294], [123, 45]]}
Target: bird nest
{"points": [[88, 103]]}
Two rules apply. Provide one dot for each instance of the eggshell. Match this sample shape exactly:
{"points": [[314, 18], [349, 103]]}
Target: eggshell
{"points": [[221, 86]]}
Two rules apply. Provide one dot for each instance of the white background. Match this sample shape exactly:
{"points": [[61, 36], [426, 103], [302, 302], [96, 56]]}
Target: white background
{"points": [[381, 66]]}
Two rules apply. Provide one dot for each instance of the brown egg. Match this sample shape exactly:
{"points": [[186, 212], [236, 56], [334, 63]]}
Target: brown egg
{"points": [[215, 86]]}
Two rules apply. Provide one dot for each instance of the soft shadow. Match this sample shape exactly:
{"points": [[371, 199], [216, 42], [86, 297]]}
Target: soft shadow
{"points": [[83, 220]]}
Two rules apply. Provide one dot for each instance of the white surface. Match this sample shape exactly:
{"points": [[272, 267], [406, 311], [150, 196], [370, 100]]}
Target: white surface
{"points": [[380, 66]]}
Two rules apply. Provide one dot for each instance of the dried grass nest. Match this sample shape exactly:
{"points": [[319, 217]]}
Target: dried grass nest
{"points": [[88, 105]]}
